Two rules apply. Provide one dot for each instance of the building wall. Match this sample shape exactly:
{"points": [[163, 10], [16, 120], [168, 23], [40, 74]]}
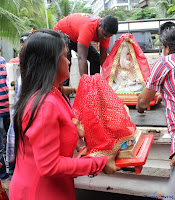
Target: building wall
{"points": [[123, 3], [97, 6]]}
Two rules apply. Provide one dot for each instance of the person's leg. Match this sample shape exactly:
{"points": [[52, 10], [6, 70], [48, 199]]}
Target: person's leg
{"points": [[3, 168], [94, 59], [11, 168], [1, 145], [72, 46], [4, 176], [6, 122]]}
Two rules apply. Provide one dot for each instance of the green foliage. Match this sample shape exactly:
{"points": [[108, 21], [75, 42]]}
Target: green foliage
{"points": [[144, 13], [65, 7], [171, 10], [135, 6], [52, 18], [20, 16], [163, 3], [24, 16], [80, 7], [11, 26], [120, 13], [135, 1], [162, 7], [23, 12], [108, 11], [15, 17], [37, 21]]}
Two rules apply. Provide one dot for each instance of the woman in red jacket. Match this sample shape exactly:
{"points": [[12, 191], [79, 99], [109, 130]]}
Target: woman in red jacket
{"points": [[45, 136]]}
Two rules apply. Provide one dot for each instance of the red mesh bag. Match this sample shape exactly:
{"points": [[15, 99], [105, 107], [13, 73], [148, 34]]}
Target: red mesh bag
{"points": [[103, 116]]}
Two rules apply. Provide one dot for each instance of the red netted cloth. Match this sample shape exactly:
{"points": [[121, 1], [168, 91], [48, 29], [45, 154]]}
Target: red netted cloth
{"points": [[102, 114], [140, 61]]}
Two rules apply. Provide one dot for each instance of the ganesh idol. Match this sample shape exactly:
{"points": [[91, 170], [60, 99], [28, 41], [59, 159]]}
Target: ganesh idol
{"points": [[126, 68]]}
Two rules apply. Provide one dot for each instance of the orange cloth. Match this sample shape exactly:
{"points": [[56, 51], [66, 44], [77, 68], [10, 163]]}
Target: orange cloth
{"points": [[106, 123]]}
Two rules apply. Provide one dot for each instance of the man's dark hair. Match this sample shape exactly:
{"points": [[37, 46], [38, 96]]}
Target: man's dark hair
{"points": [[167, 38], [165, 26], [109, 24], [24, 37]]}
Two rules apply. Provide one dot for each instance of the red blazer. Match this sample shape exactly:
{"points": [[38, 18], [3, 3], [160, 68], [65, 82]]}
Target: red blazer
{"points": [[44, 167]]}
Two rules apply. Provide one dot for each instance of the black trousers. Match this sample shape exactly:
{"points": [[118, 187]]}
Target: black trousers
{"points": [[93, 58]]}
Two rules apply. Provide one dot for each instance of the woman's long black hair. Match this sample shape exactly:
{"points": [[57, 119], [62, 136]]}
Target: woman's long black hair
{"points": [[39, 58]]}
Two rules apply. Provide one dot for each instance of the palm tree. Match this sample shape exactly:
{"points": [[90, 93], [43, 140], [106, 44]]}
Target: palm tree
{"points": [[62, 8], [11, 25], [40, 21], [66, 7]]}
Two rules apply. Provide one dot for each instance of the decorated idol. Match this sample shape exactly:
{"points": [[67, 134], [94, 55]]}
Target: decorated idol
{"points": [[126, 68]]}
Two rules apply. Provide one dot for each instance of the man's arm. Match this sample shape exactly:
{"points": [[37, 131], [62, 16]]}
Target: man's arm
{"points": [[103, 55], [82, 58], [144, 99]]}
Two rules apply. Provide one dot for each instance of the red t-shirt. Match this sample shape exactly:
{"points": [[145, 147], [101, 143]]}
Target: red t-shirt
{"points": [[81, 27], [14, 60]]}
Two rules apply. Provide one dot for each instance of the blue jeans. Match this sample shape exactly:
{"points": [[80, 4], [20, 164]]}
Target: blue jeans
{"points": [[4, 124], [4, 176]]}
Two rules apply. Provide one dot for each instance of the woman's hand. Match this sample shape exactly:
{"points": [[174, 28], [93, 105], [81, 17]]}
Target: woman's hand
{"points": [[80, 145], [110, 166]]}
